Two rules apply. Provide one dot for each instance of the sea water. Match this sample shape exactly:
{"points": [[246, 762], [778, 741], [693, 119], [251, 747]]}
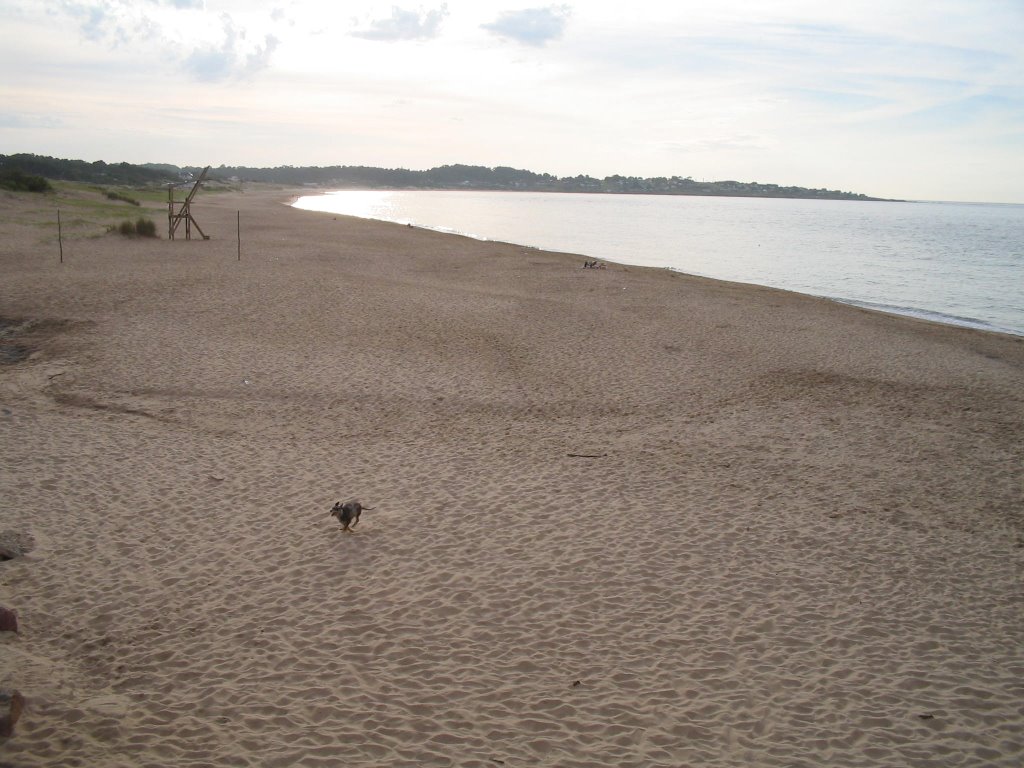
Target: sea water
{"points": [[957, 263]]}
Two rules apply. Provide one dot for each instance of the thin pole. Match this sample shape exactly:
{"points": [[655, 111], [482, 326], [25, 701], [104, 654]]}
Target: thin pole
{"points": [[60, 237], [238, 221]]}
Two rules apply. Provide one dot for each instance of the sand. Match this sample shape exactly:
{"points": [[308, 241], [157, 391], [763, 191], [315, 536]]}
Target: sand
{"points": [[621, 517]]}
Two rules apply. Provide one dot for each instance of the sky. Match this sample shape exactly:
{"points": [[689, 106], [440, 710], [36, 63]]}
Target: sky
{"points": [[907, 99]]}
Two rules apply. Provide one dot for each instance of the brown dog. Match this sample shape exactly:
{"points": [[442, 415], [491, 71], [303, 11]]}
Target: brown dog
{"points": [[348, 513]]}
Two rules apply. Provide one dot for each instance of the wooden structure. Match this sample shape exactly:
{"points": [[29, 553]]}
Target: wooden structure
{"points": [[178, 212]]}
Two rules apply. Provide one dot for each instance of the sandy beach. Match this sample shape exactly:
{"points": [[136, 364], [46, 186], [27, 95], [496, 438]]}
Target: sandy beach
{"points": [[621, 516]]}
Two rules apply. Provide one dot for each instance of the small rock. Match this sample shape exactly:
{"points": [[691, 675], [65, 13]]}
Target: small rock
{"points": [[14, 544], [11, 703], [8, 620]]}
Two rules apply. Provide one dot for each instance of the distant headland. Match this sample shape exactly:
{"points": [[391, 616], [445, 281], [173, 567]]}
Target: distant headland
{"points": [[445, 177]]}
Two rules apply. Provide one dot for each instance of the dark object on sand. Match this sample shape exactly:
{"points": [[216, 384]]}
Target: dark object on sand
{"points": [[14, 544], [8, 620], [11, 704], [348, 513], [13, 353]]}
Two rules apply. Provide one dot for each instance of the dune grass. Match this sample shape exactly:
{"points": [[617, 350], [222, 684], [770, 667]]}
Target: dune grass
{"points": [[90, 211]]}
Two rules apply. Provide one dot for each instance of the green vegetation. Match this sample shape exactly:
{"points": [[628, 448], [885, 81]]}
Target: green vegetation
{"points": [[145, 227], [150, 177], [141, 227], [113, 195], [16, 180], [79, 170], [93, 202], [473, 177], [86, 211]]}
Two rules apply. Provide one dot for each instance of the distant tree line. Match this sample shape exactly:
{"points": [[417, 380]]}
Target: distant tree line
{"points": [[79, 170], [469, 177], [474, 177]]}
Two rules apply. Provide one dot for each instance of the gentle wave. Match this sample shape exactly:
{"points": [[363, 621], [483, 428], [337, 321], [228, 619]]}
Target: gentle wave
{"points": [[926, 314]]}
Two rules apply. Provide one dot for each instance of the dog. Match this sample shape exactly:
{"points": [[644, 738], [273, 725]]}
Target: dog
{"points": [[348, 513]]}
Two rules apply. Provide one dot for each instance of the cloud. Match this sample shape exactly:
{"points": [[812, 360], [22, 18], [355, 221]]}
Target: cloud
{"points": [[120, 21], [531, 26], [260, 58], [1004, 109], [210, 63], [743, 141], [141, 29], [835, 98], [97, 21], [405, 25], [31, 121]]}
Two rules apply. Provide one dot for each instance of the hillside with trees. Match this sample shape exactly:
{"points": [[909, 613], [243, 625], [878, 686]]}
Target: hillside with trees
{"points": [[98, 172], [472, 177], [445, 177]]}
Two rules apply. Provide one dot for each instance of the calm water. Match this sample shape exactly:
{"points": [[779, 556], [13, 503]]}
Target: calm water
{"points": [[959, 263]]}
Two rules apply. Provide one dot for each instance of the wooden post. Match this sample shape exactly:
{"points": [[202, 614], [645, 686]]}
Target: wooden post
{"points": [[238, 222], [60, 238]]}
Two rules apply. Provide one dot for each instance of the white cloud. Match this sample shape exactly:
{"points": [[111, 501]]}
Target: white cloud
{"points": [[405, 25], [101, 21], [719, 143], [28, 121], [209, 47], [531, 26], [233, 58]]}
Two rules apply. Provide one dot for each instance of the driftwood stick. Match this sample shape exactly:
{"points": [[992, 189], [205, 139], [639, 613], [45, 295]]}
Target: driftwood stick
{"points": [[587, 455]]}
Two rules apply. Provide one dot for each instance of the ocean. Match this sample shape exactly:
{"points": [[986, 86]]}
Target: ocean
{"points": [[955, 263]]}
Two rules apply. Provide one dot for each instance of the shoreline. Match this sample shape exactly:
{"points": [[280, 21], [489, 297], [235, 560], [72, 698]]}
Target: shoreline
{"points": [[916, 313], [619, 516], [930, 316]]}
